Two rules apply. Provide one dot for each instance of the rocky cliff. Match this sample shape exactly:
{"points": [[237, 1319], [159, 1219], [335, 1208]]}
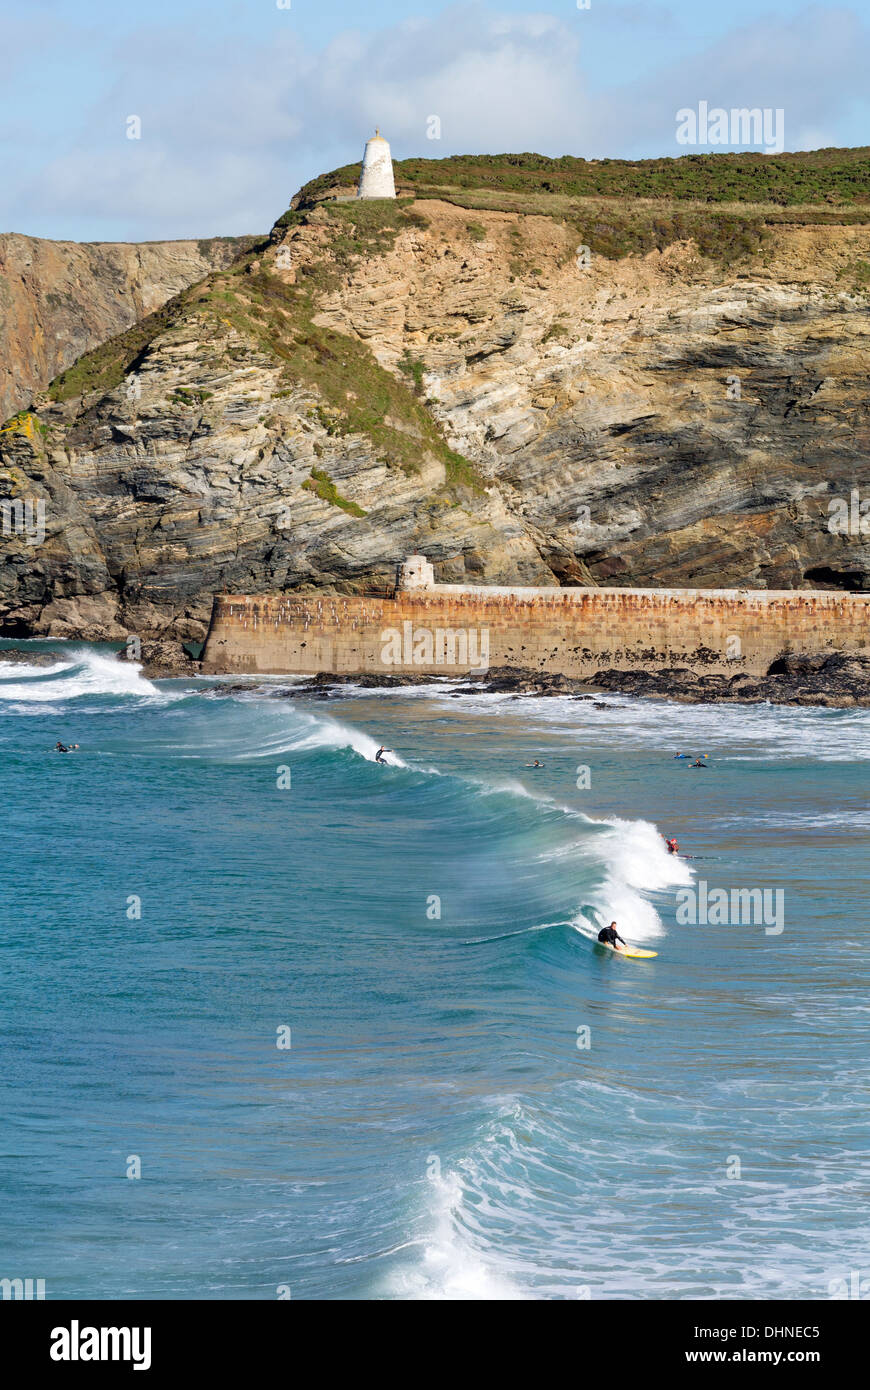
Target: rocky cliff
{"points": [[60, 298], [503, 388]]}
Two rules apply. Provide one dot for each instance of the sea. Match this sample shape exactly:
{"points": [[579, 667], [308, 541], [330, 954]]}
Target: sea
{"points": [[279, 1021]]}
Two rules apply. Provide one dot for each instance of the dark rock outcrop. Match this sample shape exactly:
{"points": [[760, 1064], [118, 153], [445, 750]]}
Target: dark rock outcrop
{"points": [[24, 656], [167, 658], [839, 680]]}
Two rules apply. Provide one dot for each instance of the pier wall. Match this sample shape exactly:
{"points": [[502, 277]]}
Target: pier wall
{"points": [[575, 632]]}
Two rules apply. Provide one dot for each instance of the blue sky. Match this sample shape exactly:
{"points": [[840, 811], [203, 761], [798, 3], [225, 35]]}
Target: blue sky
{"points": [[242, 101]]}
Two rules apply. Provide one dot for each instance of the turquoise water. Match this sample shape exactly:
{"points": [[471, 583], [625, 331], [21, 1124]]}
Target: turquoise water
{"points": [[434, 1131]]}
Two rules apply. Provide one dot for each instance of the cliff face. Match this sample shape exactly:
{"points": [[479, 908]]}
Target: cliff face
{"points": [[60, 298], [456, 383], [651, 420]]}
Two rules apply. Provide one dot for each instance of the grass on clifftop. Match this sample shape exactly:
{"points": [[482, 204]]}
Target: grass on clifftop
{"points": [[725, 203], [617, 231], [370, 227], [814, 176]]}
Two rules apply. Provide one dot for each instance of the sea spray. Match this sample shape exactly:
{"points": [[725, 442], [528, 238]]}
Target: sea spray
{"points": [[87, 672]]}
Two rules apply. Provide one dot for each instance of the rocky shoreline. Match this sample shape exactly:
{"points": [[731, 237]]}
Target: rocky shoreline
{"points": [[839, 681], [21, 656]]}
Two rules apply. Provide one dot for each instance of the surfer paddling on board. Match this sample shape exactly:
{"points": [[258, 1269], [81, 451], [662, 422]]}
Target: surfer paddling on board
{"points": [[379, 756], [534, 764], [608, 936]]}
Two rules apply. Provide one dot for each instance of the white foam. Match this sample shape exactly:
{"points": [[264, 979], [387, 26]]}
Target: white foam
{"points": [[636, 863], [87, 673], [508, 787], [738, 732], [451, 1268], [638, 853], [24, 670], [306, 732]]}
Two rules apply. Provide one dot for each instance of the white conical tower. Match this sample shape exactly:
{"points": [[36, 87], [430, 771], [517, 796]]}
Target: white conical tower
{"points": [[376, 179]]}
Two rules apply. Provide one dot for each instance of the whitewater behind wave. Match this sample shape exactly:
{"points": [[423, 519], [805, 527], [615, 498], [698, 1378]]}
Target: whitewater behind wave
{"points": [[331, 733], [636, 863], [606, 1191], [241, 730], [86, 673], [450, 1265]]}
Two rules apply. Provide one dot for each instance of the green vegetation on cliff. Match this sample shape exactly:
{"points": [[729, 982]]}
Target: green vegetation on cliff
{"points": [[104, 368], [321, 484], [814, 176], [725, 203], [360, 396]]}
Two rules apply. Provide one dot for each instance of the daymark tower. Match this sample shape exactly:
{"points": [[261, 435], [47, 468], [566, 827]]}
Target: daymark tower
{"points": [[376, 179]]}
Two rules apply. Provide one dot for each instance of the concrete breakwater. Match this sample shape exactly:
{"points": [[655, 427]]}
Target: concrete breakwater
{"points": [[445, 629]]}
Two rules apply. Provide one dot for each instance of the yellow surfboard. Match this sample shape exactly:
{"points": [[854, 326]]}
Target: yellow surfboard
{"points": [[633, 952]]}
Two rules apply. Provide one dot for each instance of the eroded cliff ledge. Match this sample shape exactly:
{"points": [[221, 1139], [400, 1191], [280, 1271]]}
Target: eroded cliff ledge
{"points": [[425, 376]]}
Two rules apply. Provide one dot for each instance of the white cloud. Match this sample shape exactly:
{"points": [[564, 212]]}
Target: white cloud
{"points": [[230, 131]]}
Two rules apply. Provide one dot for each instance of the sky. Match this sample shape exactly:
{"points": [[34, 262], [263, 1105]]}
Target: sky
{"points": [[240, 102]]}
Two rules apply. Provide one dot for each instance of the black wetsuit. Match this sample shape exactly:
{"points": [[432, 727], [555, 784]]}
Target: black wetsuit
{"points": [[379, 756], [59, 748], [609, 937]]}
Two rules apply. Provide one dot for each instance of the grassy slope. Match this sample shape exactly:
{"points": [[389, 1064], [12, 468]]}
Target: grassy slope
{"points": [[355, 394]]}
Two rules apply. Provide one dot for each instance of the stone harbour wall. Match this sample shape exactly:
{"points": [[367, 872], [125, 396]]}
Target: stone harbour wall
{"points": [[453, 629]]}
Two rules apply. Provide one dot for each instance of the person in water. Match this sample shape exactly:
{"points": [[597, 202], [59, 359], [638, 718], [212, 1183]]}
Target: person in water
{"points": [[534, 764], [699, 762], [674, 848], [60, 748], [608, 936], [682, 755], [379, 756]]}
